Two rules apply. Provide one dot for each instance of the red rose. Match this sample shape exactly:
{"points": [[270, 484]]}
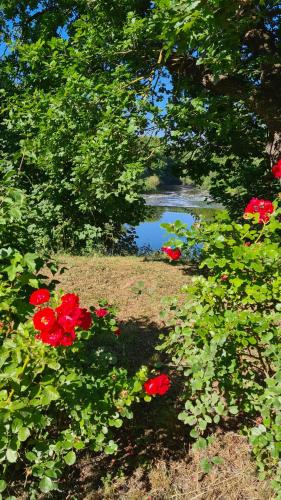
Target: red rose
{"points": [[165, 249], [70, 299], [173, 253], [64, 309], [276, 170], [101, 312], [67, 319], [224, 277], [52, 337], [56, 337], [157, 385], [117, 332], [84, 319], [44, 319], [262, 207], [57, 327], [67, 339], [39, 297]]}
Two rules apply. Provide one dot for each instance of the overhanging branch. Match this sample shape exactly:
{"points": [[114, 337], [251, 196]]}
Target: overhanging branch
{"points": [[264, 100]]}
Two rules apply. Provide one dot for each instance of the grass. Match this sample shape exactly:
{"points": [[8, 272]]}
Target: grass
{"points": [[155, 461]]}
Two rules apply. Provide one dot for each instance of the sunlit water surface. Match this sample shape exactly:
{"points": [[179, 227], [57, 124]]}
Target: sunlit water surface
{"points": [[182, 203]]}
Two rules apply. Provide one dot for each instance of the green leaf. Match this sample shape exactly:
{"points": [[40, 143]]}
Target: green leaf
{"points": [[194, 434], [201, 443], [217, 460], [202, 424], [46, 484], [205, 465], [12, 455], [23, 433], [50, 394], [115, 422], [252, 340], [3, 485], [110, 448], [31, 456], [16, 425], [70, 458], [137, 386], [34, 283]]}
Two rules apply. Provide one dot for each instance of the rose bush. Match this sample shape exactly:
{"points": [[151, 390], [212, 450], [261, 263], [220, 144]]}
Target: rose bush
{"points": [[60, 388], [59, 393], [225, 339]]}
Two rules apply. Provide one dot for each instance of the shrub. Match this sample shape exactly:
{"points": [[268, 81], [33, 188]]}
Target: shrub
{"points": [[19, 267], [225, 339], [58, 400]]}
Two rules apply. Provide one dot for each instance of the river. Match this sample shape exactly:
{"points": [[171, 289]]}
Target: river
{"points": [[184, 203]]}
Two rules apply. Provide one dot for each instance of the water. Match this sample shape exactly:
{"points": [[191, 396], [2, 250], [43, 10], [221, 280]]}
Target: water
{"points": [[182, 203], [181, 197], [151, 235]]}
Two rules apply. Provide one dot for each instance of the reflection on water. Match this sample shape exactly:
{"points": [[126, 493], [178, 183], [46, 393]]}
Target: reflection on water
{"points": [[151, 235], [184, 203]]}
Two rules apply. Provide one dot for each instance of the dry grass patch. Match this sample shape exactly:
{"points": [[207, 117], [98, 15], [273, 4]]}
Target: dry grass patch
{"points": [[120, 279], [176, 479]]}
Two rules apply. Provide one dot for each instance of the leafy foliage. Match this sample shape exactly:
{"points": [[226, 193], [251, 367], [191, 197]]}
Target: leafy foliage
{"points": [[19, 268], [88, 85], [54, 402], [223, 60], [77, 124], [225, 339], [57, 401], [213, 136]]}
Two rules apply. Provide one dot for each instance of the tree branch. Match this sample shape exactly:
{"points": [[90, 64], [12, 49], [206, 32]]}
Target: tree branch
{"points": [[264, 100], [186, 67]]}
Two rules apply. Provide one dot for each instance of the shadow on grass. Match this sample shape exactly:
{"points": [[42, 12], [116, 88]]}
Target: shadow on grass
{"points": [[154, 434], [135, 346]]}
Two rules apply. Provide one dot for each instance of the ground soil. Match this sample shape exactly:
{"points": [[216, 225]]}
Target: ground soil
{"points": [[155, 461]]}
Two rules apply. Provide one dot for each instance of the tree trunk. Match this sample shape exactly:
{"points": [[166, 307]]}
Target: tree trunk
{"points": [[273, 147]]}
